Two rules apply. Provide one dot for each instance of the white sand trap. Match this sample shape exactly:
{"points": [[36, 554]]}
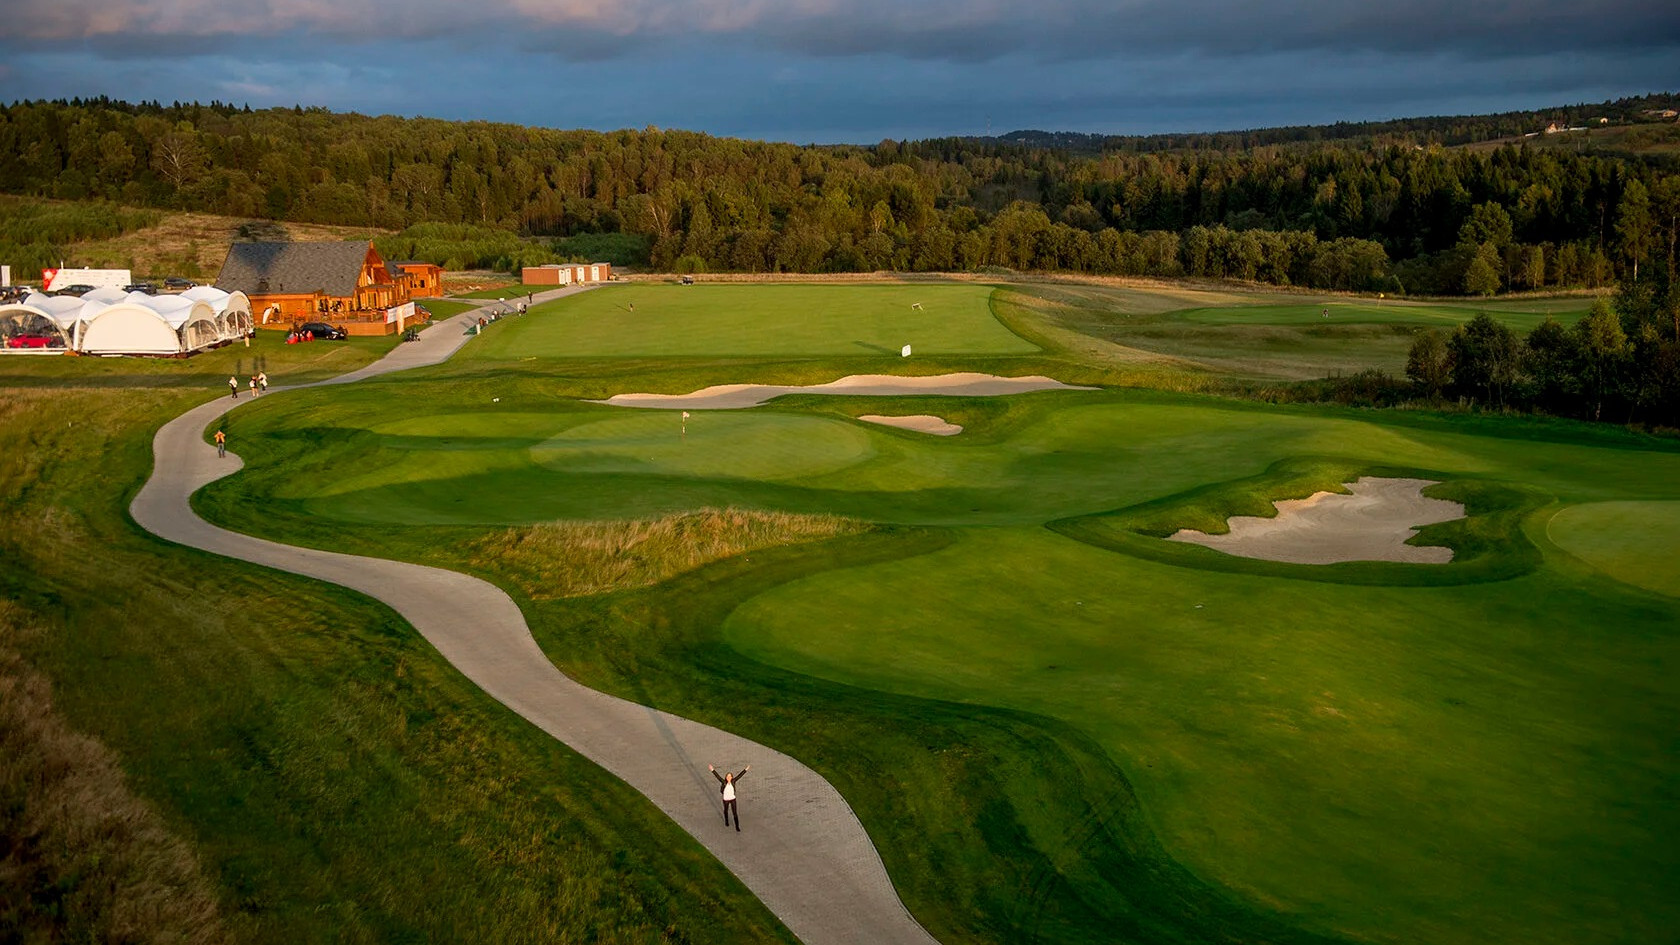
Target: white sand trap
{"points": [[736, 396], [920, 422], [1372, 524]]}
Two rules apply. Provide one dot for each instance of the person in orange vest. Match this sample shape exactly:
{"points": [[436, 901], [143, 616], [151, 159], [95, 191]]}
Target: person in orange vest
{"points": [[221, 444]]}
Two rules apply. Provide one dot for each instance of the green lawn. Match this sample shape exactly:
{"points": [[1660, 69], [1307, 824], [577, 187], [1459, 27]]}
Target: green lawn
{"points": [[285, 364], [1403, 763], [502, 292], [865, 321], [445, 308], [1053, 733]]}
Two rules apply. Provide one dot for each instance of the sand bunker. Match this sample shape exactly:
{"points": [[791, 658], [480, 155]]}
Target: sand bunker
{"points": [[921, 423], [736, 396], [1372, 524]]}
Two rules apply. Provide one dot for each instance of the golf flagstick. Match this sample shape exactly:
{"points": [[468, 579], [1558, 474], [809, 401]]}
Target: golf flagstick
{"points": [[685, 424]]}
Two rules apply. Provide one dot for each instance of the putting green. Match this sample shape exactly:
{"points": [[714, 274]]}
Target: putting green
{"points": [[1634, 542], [756, 320], [737, 445]]}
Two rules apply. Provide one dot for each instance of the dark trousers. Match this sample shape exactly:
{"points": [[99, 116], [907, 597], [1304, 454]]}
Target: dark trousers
{"points": [[728, 808]]}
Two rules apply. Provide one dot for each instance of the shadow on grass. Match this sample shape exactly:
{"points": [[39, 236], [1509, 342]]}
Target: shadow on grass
{"points": [[996, 825]]}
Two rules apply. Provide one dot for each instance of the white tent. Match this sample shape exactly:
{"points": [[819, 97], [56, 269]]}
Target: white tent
{"points": [[128, 328], [107, 321], [71, 313], [27, 328], [194, 322], [233, 309]]}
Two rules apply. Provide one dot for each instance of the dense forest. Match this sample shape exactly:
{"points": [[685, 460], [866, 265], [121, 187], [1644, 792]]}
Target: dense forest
{"points": [[1382, 208]]}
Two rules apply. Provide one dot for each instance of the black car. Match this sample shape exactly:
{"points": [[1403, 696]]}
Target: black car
{"points": [[78, 290], [178, 284], [322, 330], [145, 287]]}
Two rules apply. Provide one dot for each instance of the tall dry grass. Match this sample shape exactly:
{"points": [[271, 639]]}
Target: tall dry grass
{"points": [[575, 559], [82, 859]]}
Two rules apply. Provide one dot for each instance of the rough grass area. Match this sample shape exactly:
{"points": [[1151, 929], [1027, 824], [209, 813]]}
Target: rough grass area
{"points": [[82, 859], [194, 245], [336, 778], [1255, 334], [572, 559]]}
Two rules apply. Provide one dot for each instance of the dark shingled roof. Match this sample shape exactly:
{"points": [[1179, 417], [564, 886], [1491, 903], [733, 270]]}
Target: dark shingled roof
{"points": [[264, 268]]}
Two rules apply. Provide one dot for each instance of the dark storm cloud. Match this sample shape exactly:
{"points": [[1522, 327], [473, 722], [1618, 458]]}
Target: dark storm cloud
{"points": [[1089, 28], [851, 70], [953, 30]]}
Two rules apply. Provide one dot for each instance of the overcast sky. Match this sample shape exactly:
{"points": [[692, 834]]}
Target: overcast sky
{"points": [[852, 70]]}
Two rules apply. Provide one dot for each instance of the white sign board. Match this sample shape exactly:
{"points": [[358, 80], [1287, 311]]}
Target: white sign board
{"points": [[52, 279], [399, 313], [5, 275]]}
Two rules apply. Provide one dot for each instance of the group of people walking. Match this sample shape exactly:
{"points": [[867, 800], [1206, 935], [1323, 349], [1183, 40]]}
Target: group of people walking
{"points": [[259, 385]]}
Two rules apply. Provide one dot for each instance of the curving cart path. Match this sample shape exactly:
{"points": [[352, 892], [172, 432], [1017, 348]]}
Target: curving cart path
{"points": [[802, 851]]}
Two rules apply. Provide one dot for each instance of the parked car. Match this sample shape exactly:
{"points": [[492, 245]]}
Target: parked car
{"points": [[178, 284], [145, 287], [34, 341], [78, 290], [322, 330], [13, 293]]}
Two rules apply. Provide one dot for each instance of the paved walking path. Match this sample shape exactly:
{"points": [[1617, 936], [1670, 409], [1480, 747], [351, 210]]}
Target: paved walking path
{"points": [[802, 850]]}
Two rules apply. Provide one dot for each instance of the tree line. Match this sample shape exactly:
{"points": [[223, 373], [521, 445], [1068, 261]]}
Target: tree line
{"points": [[1620, 363], [1372, 215]]}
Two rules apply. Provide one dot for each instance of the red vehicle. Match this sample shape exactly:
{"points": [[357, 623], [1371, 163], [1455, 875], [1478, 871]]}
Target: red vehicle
{"points": [[32, 341]]}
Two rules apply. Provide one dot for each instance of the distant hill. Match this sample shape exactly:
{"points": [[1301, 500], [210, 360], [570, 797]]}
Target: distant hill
{"points": [[1450, 131], [1420, 205]]}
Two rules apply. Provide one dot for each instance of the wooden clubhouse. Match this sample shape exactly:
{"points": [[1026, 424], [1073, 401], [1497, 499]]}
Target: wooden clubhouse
{"points": [[425, 279], [344, 283]]}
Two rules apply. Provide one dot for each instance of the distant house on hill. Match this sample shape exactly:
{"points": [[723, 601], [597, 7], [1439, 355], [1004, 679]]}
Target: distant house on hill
{"points": [[346, 283], [425, 279]]}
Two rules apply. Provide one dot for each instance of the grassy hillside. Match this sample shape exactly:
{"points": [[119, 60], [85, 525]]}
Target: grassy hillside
{"points": [[170, 243]]}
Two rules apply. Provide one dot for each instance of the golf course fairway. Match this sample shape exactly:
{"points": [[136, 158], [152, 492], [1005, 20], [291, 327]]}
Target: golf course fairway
{"points": [[1050, 724]]}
